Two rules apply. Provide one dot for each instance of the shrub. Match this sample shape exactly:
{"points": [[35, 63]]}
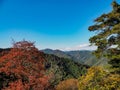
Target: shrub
{"points": [[22, 68], [98, 79], [70, 84]]}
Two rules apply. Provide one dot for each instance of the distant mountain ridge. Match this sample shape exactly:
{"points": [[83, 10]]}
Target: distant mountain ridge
{"points": [[57, 52], [81, 56]]}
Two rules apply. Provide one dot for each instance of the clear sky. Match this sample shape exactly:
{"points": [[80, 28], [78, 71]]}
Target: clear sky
{"points": [[52, 24]]}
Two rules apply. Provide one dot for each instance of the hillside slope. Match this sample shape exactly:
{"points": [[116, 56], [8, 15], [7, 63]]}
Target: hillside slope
{"points": [[59, 68], [83, 57]]}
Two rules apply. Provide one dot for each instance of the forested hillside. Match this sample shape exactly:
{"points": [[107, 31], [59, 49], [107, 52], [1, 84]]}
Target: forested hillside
{"points": [[63, 68], [57, 68], [83, 56]]}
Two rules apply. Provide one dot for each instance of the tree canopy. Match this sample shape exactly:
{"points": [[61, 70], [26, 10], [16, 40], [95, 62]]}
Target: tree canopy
{"points": [[98, 79], [107, 38], [22, 68]]}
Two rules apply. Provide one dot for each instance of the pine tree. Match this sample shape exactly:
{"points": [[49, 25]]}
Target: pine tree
{"points": [[107, 27]]}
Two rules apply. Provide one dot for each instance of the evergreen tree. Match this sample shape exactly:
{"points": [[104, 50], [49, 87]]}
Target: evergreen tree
{"points": [[107, 38]]}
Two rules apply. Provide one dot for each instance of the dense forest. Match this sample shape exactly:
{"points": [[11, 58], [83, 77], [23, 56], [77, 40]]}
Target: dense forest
{"points": [[24, 67], [80, 56]]}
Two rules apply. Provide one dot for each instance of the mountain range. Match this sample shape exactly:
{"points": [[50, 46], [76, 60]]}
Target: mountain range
{"points": [[81, 56], [84, 57]]}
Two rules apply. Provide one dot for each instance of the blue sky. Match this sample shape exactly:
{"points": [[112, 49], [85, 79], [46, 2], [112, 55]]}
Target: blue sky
{"points": [[52, 24]]}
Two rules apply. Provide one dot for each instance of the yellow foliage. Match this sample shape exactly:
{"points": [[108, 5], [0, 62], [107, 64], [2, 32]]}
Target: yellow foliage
{"points": [[98, 79], [70, 84]]}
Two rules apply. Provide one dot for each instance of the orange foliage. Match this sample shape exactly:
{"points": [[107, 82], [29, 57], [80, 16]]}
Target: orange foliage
{"points": [[17, 85], [70, 84], [26, 63]]}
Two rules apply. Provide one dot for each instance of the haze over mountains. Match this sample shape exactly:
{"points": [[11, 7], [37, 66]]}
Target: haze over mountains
{"points": [[86, 46], [82, 56]]}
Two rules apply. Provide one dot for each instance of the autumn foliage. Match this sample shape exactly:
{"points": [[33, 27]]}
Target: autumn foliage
{"points": [[69, 84], [98, 79], [23, 68]]}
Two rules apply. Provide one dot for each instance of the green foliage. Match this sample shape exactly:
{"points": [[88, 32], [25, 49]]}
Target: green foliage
{"points": [[62, 69], [83, 57], [107, 39], [98, 79]]}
